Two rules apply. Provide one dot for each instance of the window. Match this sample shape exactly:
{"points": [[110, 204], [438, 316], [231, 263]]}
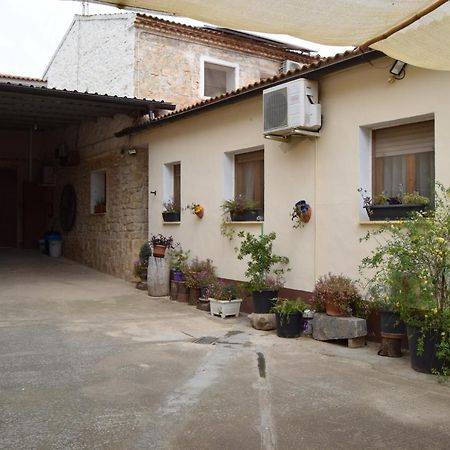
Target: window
{"points": [[403, 159], [218, 77], [172, 183], [249, 177], [98, 192]]}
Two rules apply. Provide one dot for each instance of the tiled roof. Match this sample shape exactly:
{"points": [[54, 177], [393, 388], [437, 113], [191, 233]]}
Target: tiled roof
{"points": [[227, 39], [324, 65], [19, 77]]}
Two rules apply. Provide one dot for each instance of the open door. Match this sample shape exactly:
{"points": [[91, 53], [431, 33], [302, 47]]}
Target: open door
{"points": [[8, 208]]}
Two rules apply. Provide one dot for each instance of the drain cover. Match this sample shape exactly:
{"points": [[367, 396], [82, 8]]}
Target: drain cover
{"points": [[206, 340]]}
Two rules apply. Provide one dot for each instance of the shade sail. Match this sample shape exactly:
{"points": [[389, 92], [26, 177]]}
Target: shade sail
{"points": [[425, 43]]}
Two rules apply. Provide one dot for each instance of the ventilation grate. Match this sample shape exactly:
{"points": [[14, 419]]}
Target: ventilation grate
{"points": [[206, 340]]}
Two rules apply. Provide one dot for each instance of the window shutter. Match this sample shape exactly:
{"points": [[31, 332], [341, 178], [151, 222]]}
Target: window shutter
{"points": [[404, 139]]}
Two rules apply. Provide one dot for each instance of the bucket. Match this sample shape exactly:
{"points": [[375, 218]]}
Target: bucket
{"points": [[55, 246]]}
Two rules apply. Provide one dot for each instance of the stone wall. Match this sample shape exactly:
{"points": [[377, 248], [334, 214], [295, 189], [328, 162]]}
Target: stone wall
{"points": [[168, 67], [108, 242]]}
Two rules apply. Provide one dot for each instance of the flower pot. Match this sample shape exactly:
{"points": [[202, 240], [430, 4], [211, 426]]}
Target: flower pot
{"points": [[289, 326], [390, 323], [159, 251], [428, 360], [245, 216], [171, 216], [392, 212], [177, 275], [199, 212], [263, 301], [224, 308], [203, 304], [335, 310], [194, 295]]}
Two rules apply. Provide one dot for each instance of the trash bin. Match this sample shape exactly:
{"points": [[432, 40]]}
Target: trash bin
{"points": [[55, 245]]}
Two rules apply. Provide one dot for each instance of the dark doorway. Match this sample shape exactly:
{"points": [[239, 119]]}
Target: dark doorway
{"points": [[8, 208]]}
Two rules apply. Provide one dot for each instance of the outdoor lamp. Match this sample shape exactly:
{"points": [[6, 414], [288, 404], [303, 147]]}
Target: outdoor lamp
{"points": [[398, 68]]}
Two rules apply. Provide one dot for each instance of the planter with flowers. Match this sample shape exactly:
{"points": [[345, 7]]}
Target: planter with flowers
{"points": [[301, 214], [382, 207], [178, 259], [337, 295], [412, 263], [264, 269], [198, 274], [160, 244], [171, 211], [223, 299], [197, 209]]}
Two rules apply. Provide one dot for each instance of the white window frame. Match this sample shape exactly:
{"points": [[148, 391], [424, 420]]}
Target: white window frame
{"points": [[229, 170], [168, 182], [97, 188], [365, 151], [219, 62]]}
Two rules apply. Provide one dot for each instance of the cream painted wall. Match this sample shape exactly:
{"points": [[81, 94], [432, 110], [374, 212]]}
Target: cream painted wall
{"points": [[326, 172]]}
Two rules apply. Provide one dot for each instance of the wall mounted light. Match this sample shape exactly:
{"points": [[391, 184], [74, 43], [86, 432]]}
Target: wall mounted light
{"points": [[132, 151], [398, 69]]}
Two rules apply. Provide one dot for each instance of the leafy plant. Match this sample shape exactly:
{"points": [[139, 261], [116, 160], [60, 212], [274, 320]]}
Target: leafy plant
{"points": [[159, 239], [140, 269], [195, 208], [411, 265], [411, 198], [171, 207], [414, 198], [286, 307], [239, 205], [145, 252], [262, 264], [199, 273], [220, 290], [338, 290], [178, 258]]}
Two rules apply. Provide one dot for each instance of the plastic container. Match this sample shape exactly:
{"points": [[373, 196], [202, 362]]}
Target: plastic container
{"points": [[55, 245]]}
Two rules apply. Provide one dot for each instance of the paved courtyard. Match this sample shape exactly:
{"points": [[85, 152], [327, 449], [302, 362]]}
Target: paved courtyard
{"points": [[89, 362]]}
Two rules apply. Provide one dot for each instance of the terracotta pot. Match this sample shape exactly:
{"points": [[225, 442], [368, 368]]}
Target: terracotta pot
{"points": [[334, 310], [159, 251], [199, 213], [194, 295]]}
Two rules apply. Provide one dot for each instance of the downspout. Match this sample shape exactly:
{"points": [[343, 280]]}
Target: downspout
{"points": [[316, 186]]}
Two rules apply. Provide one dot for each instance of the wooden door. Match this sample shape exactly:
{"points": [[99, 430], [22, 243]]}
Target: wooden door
{"points": [[8, 208]]}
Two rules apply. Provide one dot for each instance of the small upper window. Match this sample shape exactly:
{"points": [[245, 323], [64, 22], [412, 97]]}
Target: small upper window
{"points": [[218, 79], [404, 159]]}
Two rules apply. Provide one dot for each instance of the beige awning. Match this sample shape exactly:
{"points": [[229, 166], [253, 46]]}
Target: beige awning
{"points": [[424, 43]]}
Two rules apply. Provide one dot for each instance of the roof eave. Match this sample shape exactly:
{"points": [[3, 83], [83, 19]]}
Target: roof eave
{"points": [[312, 71]]}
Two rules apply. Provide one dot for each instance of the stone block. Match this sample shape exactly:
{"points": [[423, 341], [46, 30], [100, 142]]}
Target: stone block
{"points": [[265, 322], [327, 328]]}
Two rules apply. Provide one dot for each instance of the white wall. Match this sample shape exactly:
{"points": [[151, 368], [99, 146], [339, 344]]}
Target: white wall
{"points": [[325, 172], [96, 55]]}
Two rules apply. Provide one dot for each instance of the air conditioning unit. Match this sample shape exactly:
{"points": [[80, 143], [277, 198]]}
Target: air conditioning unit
{"points": [[288, 65], [291, 107]]}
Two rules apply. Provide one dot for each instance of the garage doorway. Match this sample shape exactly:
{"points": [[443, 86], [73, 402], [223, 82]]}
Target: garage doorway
{"points": [[8, 208]]}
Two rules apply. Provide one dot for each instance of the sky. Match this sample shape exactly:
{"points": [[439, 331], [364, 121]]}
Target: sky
{"points": [[31, 30]]}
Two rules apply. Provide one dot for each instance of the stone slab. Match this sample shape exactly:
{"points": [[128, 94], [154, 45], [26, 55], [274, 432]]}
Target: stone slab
{"points": [[326, 328], [265, 322]]}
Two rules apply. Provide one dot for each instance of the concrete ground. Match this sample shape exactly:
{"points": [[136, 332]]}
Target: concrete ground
{"points": [[89, 362]]}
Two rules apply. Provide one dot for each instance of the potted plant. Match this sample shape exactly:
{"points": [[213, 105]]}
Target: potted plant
{"points": [[301, 214], [289, 317], [337, 295], [160, 243], [100, 206], [171, 212], [240, 209], [198, 274], [382, 207], [412, 261], [264, 269], [178, 259], [197, 209], [223, 299]]}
